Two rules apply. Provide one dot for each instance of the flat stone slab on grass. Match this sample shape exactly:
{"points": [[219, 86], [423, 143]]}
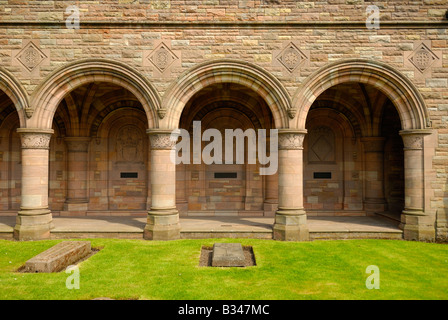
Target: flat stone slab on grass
{"points": [[58, 257], [228, 255]]}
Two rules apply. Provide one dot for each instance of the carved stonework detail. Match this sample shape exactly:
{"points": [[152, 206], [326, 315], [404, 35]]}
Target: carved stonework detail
{"points": [[35, 140], [129, 144], [290, 57], [31, 56], [412, 141], [322, 145], [162, 57], [292, 113], [161, 141], [161, 113], [290, 140], [423, 58]]}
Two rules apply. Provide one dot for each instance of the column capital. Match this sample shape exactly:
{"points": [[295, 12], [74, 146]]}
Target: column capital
{"points": [[35, 138], [161, 139], [413, 139], [77, 144], [291, 139]]}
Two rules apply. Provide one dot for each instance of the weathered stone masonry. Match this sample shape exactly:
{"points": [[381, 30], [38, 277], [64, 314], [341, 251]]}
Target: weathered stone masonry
{"points": [[362, 113]]}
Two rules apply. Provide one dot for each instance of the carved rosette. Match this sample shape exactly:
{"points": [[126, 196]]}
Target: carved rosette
{"points": [[290, 139], [162, 139], [35, 139]]}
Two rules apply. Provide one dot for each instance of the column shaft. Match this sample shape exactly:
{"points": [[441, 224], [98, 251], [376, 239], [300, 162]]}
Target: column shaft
{"points": [[163, 217], [290, 218], [34, 220], [416, 224]]}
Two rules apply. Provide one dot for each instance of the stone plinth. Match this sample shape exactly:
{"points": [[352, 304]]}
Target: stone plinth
{"points": [[58, 257], [228, 255]]}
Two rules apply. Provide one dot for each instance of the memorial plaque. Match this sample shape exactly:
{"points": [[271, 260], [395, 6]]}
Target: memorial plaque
{"points": [[228, 255], [58, 257]]}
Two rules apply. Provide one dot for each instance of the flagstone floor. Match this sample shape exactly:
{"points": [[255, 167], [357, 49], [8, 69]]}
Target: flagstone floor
{"points": [[215, 227]]}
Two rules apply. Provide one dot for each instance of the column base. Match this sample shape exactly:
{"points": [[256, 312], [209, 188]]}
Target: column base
{"points": [[418, 227], [290, 227], [33, 225], [162, 225]]}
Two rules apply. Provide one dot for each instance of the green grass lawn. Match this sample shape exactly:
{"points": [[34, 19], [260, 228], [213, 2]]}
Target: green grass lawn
{"points": [[138, 269]]}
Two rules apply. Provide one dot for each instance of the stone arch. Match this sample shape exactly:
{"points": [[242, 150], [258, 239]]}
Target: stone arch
{"points": [[396, 86], [52, 90], [226, 71], [14, 90]]}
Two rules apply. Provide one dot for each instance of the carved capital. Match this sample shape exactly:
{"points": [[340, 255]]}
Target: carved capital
{"points": [[289, 139], [413, 139], [162, 139], [35, 138]]}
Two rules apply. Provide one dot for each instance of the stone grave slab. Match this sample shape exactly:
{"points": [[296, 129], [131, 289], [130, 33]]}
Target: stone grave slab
{"points": [[58, 257], [228, 255]]}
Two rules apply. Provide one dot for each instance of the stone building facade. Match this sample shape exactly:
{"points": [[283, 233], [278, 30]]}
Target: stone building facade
{"points": [[86, 113]]}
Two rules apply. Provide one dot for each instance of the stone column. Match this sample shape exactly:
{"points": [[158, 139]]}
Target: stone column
{"points": [[34, 220], [416, 224], [77, 175], [374, 200], [290, 218], [163, 217]]}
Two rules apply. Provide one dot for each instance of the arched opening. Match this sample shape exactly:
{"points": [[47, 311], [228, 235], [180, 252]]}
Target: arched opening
{"points": [[353, 154], [99, 153], [10, 157], [225, 189], [390, 87]]}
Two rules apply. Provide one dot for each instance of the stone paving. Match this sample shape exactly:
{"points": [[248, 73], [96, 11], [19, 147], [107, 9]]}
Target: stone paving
{"points": [[215, 227]]}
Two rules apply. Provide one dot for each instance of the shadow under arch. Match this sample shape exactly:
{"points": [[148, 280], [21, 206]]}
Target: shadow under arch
{"points": [[226, 71], [47, 96], [396, 86], [14, 90]]}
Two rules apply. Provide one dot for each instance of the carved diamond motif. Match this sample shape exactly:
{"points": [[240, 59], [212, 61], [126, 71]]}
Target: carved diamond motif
{"points": [[291, 57], [423, 58], [162, 57], [322, 148], [30, 56]]}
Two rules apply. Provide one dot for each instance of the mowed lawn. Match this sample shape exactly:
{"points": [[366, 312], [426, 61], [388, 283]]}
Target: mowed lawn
{"points": [[138, 269]]}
